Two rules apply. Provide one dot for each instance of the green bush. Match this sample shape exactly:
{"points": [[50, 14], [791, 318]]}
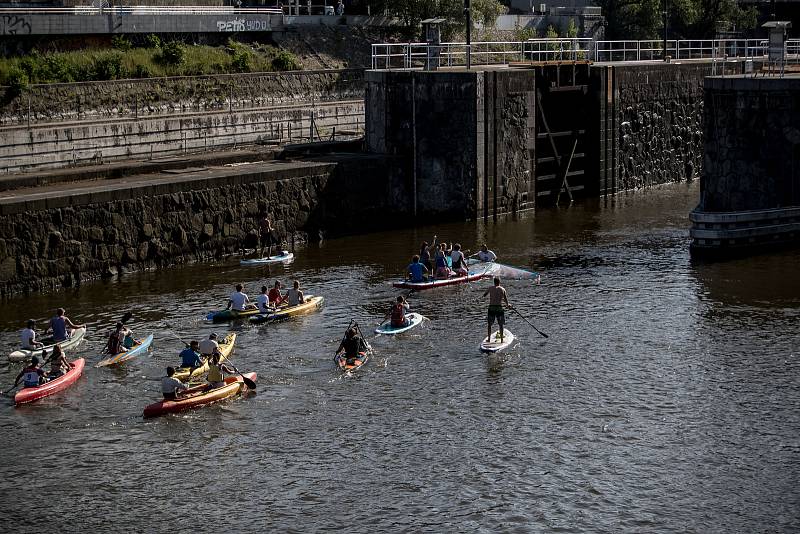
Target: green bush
{"points": [[141, 71], [109, 67], [172, 53], [152, 41], [120, 42], [17, 80], [241, 61], [285, 60]]}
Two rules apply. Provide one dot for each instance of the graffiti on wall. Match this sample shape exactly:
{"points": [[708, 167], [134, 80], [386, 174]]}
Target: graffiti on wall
{"points": [[243, 25], [14, 25]]}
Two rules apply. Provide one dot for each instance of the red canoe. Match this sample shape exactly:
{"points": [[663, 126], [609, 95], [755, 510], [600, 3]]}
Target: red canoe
{"points": [[54, 386], [198, 396]]}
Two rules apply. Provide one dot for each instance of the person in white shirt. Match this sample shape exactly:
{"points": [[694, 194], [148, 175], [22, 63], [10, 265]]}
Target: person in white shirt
{"points": [[486, 255], [294, 295], [238, 300], [170, 385], [209, 346], [28, 336], [263, 301]]}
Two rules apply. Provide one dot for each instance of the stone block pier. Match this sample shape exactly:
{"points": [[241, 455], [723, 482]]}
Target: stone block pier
{"points": [[750, 192]]}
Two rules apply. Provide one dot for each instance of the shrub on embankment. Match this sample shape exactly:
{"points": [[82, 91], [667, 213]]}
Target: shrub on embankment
{"points": [[155, 59]]}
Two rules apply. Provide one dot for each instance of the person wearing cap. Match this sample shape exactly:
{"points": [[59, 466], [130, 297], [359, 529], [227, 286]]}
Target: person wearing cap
{"points": [[32, 375], [116, 340], [170, 385], [28, 336], [59, 324], [209, 347]]}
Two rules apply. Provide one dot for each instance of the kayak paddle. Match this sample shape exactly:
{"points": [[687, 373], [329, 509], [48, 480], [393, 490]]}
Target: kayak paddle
{"points": [[247, 382]]}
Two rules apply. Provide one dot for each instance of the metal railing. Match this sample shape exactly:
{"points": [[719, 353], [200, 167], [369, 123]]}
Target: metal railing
{"points": [[418, 55]]}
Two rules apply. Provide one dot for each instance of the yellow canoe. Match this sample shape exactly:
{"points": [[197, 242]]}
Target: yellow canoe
{"points": [[310, 305], [225, 349]]}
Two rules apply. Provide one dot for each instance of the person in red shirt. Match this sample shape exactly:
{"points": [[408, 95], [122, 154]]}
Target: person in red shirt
{"points": [[398, 313], [275, 297]]}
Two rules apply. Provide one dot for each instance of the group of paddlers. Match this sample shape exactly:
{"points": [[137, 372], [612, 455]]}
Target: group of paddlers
{"points": [[440, 261]]}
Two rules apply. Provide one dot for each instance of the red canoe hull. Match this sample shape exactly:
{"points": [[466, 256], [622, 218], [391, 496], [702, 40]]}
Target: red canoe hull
{"points": [[61, 383], [197, 397]]}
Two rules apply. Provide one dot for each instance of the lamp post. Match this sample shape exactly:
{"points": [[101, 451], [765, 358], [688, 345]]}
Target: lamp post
{"points": [[665, 29], [468, 14]]}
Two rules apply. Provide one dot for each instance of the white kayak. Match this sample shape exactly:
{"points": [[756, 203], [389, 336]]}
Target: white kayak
{"points": [[72, 341], [414, 319], [492, 344], [284, 256]]}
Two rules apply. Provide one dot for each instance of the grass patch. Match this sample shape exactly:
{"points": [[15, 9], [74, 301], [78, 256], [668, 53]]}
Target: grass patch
{"points": [[155, 60]]}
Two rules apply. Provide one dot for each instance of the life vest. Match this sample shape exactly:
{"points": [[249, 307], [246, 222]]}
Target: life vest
{"points": [[398, 314], [31, 376]]}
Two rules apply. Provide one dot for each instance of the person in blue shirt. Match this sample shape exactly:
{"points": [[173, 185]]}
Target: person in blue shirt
{"points": [[416, 270], [190, 356]]}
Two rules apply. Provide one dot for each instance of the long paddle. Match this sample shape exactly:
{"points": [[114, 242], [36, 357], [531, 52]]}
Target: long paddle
{"points": [[527, 321], [247, 382], [336, 355]]}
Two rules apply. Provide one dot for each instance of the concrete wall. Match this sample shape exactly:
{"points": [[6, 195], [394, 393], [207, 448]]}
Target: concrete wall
{"points": [[61, 124], [20, 24], [464, 137]]}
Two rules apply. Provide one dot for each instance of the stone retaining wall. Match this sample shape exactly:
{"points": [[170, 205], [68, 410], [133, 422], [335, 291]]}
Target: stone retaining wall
{"points": [[57, 125], [67, 237]]}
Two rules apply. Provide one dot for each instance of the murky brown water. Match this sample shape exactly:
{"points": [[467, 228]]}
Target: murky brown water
{"points": [[665, 399]]}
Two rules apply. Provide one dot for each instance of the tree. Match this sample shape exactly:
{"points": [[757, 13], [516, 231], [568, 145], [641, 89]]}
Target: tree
{"points": [[411, 12], [693, 19]]}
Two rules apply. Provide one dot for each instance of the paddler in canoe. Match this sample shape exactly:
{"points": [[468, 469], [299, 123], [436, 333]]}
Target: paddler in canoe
{"points": [[209, 347], [294, 296], [275, 296], [216, 372], [58, 363], [459, 261], [262, 301], [59, 324], [416, 272], [440, 260], [485, 255], [239, 301], [190, 357], [497, 295], [170, 385], [351, 345], [425, 252], [28, 337], [32, 375], [116, 339]]}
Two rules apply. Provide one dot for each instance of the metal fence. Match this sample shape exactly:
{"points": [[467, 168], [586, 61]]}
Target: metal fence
{"points": [[418, 55]]}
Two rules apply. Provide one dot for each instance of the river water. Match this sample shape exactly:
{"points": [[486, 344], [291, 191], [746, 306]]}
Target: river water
{"points": [[664, 400]]}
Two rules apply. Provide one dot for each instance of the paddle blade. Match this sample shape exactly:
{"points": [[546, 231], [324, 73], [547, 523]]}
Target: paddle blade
{"points": [[249, 383], [127, 317]]}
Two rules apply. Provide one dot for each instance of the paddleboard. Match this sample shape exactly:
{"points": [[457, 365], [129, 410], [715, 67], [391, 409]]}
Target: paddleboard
{"points": [[285, 255], [419, 286], [493, 345], [414, 319]]}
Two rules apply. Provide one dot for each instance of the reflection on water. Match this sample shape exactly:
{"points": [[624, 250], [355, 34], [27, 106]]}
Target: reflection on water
{"points": [[664, 399]]}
